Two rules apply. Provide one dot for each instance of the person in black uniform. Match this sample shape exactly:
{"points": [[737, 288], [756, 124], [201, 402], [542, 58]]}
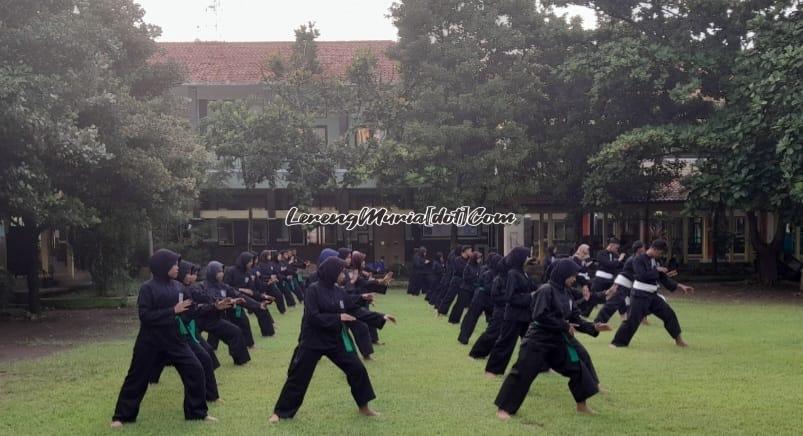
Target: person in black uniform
{"points": [[550, 343], [609, 263], [465, 293], [242, 278], [481, 301], [326, 308], [457, 265], [518, 292], [187, 275], [159, 336], [619, 293], [482, 348], [645, 299], [218, 307]]}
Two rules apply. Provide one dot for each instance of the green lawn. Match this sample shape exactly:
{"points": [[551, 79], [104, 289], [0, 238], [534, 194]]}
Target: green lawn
{"points": [[742, 375]]}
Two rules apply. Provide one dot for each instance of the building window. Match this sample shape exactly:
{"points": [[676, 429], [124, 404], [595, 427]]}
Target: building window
{"points": [[225, 232], [563, 231], [284, 233], [330, 234], [259, 233], [297, 235], [203, 109], [695, 235], [322, 133]]}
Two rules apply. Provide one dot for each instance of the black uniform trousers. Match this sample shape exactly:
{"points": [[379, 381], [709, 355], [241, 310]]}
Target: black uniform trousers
{"points": [[642, 304], [535, 356], [302, 367], [480, 303], [148, 354], [449, 295], [231, 335], [504, 346], [482, 347], [617, 303]]}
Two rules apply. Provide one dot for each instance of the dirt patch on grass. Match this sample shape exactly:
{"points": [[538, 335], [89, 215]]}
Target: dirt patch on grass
{"points": [[60, 330]]}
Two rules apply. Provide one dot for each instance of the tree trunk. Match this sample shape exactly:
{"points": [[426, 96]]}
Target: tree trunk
{"points": [[454, 235], [767, 252], [715, 240], [250, 226]]}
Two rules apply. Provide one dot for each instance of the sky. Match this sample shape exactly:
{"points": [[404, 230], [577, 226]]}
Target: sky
{"points": [[274, 20]]}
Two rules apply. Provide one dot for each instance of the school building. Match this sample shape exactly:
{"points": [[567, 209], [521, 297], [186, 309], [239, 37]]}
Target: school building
{"points": [[228, 71]]}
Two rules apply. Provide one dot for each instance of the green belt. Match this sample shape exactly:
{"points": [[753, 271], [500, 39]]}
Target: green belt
{"points": [[187, 329], [573, 356], [238, 312], [347, 342]]}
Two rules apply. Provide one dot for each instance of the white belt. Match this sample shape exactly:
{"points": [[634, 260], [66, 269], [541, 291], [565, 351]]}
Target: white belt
{"points": [[604, 275], [623, 281], [583, 275], [646, 287]]}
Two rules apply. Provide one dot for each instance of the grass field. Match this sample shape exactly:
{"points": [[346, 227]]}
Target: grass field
{"points": [[743, 374]]}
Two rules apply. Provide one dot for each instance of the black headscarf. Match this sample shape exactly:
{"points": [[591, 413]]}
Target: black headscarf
{"points": [[184, 269], [343, 253], [162, 262], [516, 258], [562, 270], [243, 259], [330, 269], [212, 269]]}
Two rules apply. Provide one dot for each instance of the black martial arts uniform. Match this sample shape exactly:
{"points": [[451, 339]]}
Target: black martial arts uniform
{"points": [[621, 300], [519, 288], [418, 274], [467, 286], [548, 344], [323, 334], [458, 265], [216, 322], [482, 348], [608, 266], [159, 337], [265, 269], [434, 276], [188, 329], [240, 277], [645, 300], [480, 302]]}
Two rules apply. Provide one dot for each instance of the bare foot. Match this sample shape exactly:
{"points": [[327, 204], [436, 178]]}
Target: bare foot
{"points": [[273, 419], [680, 343], [366, 411], [490, 375], [218, 401], [602, 390], [210, 419], [503, 415], [645, 321], [584, 409], [615, 346], [368, 357], [117, 424]]}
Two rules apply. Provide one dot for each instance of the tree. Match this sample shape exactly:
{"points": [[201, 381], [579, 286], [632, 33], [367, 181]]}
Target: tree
{"points": [[753, 147], [84, 132]]}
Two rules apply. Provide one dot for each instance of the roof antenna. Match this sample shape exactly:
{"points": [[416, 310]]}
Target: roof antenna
{"points": [[214, 8]]}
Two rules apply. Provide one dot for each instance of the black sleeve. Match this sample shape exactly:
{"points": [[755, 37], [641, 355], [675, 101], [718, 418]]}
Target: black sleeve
{"points": [[326, 321], [544, 314], [583, 325], [518, 292], [605, 263], [644, 272], [668, 282]]}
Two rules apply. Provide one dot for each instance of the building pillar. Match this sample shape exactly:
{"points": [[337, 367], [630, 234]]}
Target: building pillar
{"points": [[513, 234], [550, 229], [685, 240], [541, 248], [604, 229]]}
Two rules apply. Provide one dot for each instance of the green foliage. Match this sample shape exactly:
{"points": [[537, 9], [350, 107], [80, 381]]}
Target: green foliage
{"points": [[89, 138]]}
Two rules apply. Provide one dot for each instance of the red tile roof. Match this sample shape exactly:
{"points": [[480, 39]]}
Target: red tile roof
{"points": [[245, 62]]}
